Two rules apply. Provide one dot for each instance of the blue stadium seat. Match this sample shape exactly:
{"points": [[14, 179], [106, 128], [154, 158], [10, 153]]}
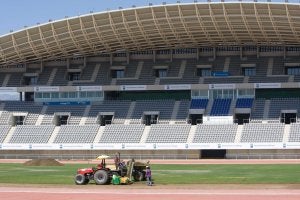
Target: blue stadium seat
{"points": [[199, 103], [244, 103], [220, 107]]}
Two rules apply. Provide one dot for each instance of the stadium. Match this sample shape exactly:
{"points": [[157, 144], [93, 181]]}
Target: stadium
{"points": [[173, 81]]}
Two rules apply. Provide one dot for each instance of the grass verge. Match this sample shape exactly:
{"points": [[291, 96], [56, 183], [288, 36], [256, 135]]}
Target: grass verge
{"points": [[162, 174]]}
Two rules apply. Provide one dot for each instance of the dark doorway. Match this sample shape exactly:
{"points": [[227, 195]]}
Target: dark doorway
{"points": [[195, 119], [29, 96], [150, 119], [74, 76], [288, 118], [242, 118], [60, 119], [17, 120], [105, 119], [213, 154]]}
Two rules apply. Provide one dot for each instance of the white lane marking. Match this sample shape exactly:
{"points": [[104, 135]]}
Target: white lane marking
{"points": [[250, 193]]}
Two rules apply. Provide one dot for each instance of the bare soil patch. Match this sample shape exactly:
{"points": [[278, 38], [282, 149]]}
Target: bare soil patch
{"points": [[43, 162]]}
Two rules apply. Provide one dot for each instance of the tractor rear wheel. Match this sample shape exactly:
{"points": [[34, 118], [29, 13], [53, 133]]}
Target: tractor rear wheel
{"points": [[139, 176], [80, 179], [101, 177]]}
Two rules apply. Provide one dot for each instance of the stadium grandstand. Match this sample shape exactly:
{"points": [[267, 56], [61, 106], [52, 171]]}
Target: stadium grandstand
{"points": [[185, 80]]}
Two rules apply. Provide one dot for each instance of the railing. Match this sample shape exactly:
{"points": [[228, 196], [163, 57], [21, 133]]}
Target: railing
{"points": [[93, 156], [263, 156]]}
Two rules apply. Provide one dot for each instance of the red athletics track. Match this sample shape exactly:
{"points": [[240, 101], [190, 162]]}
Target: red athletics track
{"points": [[149, 193], [164, 192]]}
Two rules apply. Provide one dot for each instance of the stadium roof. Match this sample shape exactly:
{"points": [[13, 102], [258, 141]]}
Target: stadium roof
{"points": [[155, 27]]}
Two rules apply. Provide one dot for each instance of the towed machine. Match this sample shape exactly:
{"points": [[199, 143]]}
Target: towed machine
{"points": [[101, 174]]}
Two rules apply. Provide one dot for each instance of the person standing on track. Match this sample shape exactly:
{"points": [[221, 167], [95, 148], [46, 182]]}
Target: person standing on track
{"points": [[148, 176], [117, 160]]}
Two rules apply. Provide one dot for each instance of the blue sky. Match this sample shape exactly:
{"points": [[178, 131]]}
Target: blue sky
{"points": [[15, 14]]}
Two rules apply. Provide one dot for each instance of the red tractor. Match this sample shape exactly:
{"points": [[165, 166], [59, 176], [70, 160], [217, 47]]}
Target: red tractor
{"points": [[103, 175]]}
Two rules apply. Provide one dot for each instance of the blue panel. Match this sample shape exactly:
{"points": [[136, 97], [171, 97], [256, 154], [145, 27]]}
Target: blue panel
{"points": [[67, 103], [220, 73]]}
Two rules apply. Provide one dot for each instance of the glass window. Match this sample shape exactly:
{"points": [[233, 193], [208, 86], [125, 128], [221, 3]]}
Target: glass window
{"points": [[64, 95], [46, 95], [82, 95], [249, 71], [161, 73], [203, 72], [90, 94], [54, 95], [120, 73], [72, 94], [293, 71], [38, 95]]}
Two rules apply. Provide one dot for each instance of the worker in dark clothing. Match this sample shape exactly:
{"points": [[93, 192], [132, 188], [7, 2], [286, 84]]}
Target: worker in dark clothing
{"points": [[148, 176], [117, 160]]}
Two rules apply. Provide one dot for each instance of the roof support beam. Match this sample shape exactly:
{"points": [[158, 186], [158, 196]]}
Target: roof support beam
{"points": [[291, 23], [187, 32], [163, 37], [260, 26], [246, 23], [142, 30], [274, 25], [78, 47], [202, 25], [84, 33], [106, 47], [114, 29], [16, 47], [34, 50], [133, 40], [172, 28], [214, 21], [59, 46], [229, 24]]}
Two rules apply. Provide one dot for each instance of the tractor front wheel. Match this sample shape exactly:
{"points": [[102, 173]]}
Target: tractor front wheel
{"points": [[101, 177], [80, 179]]}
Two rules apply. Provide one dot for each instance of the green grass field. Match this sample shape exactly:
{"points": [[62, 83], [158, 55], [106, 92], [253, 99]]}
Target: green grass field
{"points": [[163, 174]]}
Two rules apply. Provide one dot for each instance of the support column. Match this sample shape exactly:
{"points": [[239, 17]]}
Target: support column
{"points": [[154, 56], [284, 52], [214, 52], [198, 54], [68, 63], [111, 58], [257, 51], [171, 55], [84, 61], [42, 66], [127, 57], [241, 53]]}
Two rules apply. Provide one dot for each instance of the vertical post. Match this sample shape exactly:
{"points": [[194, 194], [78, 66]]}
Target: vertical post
{"points": [[241, 52], [84, 61], [171, 55], [42, 66], [68, 63], [127, 57], [214, 53], [111, 58], [154, 56]]}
